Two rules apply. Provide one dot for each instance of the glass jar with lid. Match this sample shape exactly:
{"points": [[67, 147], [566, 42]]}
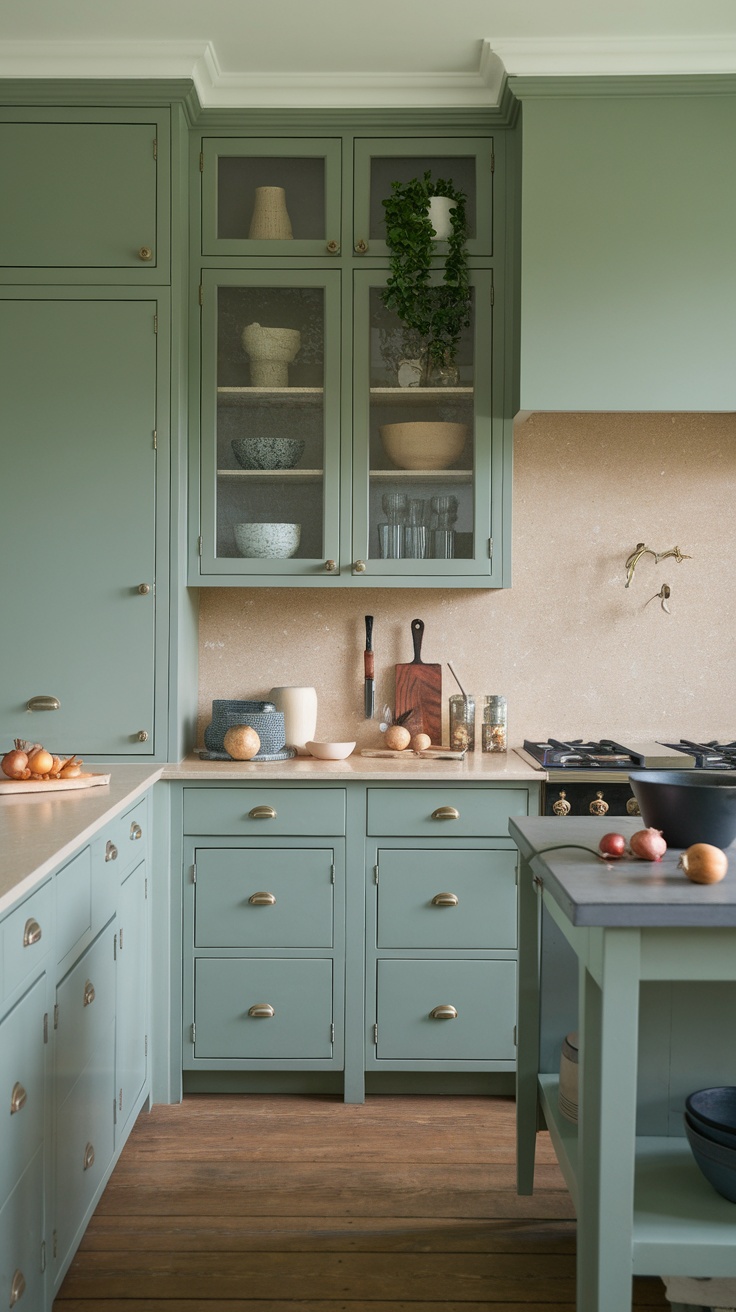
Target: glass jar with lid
{"points": [[494, 732]]}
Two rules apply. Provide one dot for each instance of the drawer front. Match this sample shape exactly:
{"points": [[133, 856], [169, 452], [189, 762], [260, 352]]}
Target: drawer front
{"points": [[264, 897], [21, 1235], [483, 993], [73, 904], [26, 936], [123, 842], [264, 812], [299, 992], [445, 813], [85, 1003], [447, 899], [84, 1141], [22, 1085]]}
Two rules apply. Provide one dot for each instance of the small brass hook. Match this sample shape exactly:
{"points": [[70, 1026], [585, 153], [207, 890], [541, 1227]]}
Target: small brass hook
{"points": [[664, 594], [643, 550]]}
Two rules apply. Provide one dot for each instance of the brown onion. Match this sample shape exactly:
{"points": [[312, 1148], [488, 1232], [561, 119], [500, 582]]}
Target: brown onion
{"points": [[15, 764], [704, 864], [648, 844], [40, 761]]}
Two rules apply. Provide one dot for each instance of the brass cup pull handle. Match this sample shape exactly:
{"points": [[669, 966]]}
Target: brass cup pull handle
{"points": [[32, 933], [333, 248], [145, 253], [330, 566], [445, 900], [446, 813], [18, 1098], [444, 1012], [135, 831], [43, 704], [89, 993], [361, 246], [262, 899], [261, 1011], [263, 813], [89, 1156], [111, 852], [17, 1287]]}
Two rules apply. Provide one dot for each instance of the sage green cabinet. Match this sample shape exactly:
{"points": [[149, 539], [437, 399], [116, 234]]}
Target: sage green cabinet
{"points": [[132, 993], [85, 195], [84, 380], [290, 257]]}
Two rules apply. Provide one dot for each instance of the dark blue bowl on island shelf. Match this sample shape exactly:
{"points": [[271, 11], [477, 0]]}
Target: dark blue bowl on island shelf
{"points": [[713, 1112], [716, 1162], [688, 806]]}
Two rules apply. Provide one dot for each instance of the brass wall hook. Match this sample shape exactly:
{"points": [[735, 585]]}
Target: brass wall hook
{"points": [[664, 594], [643, 550]]}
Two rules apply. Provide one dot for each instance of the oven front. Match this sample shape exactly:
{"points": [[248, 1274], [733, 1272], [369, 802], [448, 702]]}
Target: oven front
{"points": [[588, 792]]}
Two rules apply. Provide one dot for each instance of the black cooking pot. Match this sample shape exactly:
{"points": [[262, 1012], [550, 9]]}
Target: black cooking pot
{"points": [[689, 806]]}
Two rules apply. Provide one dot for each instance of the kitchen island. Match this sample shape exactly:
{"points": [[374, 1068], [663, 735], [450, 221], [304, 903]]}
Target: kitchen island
{"points": [[624, 932]]}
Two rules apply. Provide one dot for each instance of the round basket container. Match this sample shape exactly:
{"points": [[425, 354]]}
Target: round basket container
{"points": [[568, 1092], [261, 716]]}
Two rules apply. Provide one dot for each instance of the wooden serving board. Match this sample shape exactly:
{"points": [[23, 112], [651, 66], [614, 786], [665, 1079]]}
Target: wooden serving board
{"points": [[419, 690], [431, 753], [52, 785]]}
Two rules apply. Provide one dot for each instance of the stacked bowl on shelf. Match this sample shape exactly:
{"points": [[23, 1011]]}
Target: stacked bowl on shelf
{"points": [[710, 1126]]}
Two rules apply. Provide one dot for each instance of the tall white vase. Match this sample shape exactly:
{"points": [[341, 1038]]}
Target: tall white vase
{"points": [[439, 216], [299, 706], [270, 219], [271, 351]]}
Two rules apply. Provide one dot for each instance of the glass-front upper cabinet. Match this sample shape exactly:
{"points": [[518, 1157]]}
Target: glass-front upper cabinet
{"points": [[468, 163], [427, 503], [270, 416], [271, 196]]}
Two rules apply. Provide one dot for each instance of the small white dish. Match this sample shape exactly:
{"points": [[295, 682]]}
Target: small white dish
{"points": [[330, 751]]}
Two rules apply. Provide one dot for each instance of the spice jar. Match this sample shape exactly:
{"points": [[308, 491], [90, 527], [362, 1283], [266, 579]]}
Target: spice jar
{"points": [[495, 724], [462, 723]]}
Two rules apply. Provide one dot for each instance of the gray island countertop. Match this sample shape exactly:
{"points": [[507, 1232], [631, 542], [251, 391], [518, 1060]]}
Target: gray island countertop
{"points": [[627, 892]]}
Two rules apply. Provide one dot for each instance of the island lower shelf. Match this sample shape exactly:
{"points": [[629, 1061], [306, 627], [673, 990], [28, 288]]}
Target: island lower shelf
{"points": [[681, 1226]]}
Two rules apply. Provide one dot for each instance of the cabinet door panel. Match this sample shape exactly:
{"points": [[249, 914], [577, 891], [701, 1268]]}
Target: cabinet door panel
{"points": [[77, 518], [77, 195], [85, 1008], [299, 991], [232, 906], [21, 1235], [415, 892], [482, 993], [22, 1087]]}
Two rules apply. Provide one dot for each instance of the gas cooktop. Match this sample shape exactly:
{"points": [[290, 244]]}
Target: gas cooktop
{"points": [[606, 754]]}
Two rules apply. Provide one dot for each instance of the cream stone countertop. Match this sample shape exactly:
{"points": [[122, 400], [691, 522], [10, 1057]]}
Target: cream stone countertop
{"points": [[38, 831], [476, 767]]}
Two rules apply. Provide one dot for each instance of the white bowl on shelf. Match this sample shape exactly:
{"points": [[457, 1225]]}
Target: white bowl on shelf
{"points": [[330, 751]]}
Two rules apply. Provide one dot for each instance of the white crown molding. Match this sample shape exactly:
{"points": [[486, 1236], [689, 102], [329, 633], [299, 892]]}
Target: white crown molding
{"points": [[198, 61], [615, 57]]}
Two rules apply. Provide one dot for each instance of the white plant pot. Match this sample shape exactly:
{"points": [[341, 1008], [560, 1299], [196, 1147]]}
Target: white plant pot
{"points": [[270, 221], [299, 706], [439, 216], [271, 351]]}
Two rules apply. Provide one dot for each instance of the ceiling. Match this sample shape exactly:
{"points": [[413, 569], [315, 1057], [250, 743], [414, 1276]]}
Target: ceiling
{"points": [[377, 52]]}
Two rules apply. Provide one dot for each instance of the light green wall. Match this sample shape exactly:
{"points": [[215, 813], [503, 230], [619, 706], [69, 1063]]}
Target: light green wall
{"points": [[628, 260]]}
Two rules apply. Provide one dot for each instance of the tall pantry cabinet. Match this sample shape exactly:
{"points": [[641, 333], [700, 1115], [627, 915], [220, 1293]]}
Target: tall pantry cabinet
{"points": [[85, 360]]}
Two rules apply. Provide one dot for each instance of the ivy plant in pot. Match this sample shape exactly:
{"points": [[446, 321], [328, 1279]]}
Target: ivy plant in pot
{"points": [[436, 311]]}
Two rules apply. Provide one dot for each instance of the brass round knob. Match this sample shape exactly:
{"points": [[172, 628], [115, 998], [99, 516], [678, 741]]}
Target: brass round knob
{"points": [[361, 247], [330, 566], [632, 807], [144, 589], [111, 852], [145, 253], [142, 735], [333, 248], [561, 806], [358, 567]]}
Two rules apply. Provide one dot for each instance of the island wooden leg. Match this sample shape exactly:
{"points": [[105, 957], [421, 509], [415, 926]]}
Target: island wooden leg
{"points": [[527, 1034]]}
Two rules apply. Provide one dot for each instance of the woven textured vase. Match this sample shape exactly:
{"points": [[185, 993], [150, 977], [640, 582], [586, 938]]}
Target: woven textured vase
{"points": [[270, 220]]}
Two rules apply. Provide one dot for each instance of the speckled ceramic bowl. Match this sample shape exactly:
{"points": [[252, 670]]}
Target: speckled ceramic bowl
{"points": [[267, 541], [268, 452]]}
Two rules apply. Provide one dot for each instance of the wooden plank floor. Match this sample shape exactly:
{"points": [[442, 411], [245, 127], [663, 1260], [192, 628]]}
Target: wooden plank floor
{"points": [[304, 1204]]}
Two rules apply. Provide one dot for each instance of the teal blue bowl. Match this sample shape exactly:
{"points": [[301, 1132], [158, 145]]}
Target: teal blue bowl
{"points": [[717, 1163]]}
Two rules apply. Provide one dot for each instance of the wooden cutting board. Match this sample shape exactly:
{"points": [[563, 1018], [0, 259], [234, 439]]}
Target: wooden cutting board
{"points": [[419, 690], [52, 785], [431, 754]]}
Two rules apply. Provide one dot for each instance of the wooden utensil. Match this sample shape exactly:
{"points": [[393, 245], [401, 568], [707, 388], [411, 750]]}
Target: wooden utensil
{"points": [[419, 690]]}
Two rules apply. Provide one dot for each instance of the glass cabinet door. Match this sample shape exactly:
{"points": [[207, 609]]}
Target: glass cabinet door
{"points": [[270, 196], [467, 163], [270, 418], [423, 500]]}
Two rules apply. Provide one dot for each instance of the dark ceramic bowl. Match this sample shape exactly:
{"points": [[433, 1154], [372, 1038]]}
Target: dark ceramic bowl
{"points": [[707, 1132], [718, 1164], [268, 452], [689, 806], [714, 1109]]}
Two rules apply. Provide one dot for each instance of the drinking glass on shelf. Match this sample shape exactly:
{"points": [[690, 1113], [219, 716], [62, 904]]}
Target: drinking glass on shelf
{"points": [[416, 510], [444, 511], [391, 541], [395, 506]]}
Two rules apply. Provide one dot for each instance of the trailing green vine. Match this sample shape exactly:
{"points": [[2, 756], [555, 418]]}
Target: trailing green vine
{"points": [[437, 311]]}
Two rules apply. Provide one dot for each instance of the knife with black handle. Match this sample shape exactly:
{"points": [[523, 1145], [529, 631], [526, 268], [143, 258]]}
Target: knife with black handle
{"points": [[368, 665]]}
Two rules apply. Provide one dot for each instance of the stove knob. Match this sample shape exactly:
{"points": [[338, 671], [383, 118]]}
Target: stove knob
{"points": [[562, 806], [632, 807], [598, 807]]}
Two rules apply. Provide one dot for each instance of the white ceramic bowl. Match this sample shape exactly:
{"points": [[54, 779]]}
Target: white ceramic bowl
{"points": [[330, 751], [270, 541], [423, 444]]}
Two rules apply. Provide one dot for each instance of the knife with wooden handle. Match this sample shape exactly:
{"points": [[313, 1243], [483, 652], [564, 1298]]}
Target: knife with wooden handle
{"points": [[369, 668]]}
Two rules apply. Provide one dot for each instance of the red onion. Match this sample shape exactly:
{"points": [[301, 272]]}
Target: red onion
{"points": [[613, 845], [648, 844]]}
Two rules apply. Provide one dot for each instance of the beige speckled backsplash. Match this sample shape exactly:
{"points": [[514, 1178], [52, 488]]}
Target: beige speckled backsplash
{"points": [[574, 651]]}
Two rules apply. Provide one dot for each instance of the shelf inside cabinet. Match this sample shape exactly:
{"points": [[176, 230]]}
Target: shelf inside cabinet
{"points": [[273, 475], [677, 1218], [421, 475], [270, 396], [419, 395]]}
